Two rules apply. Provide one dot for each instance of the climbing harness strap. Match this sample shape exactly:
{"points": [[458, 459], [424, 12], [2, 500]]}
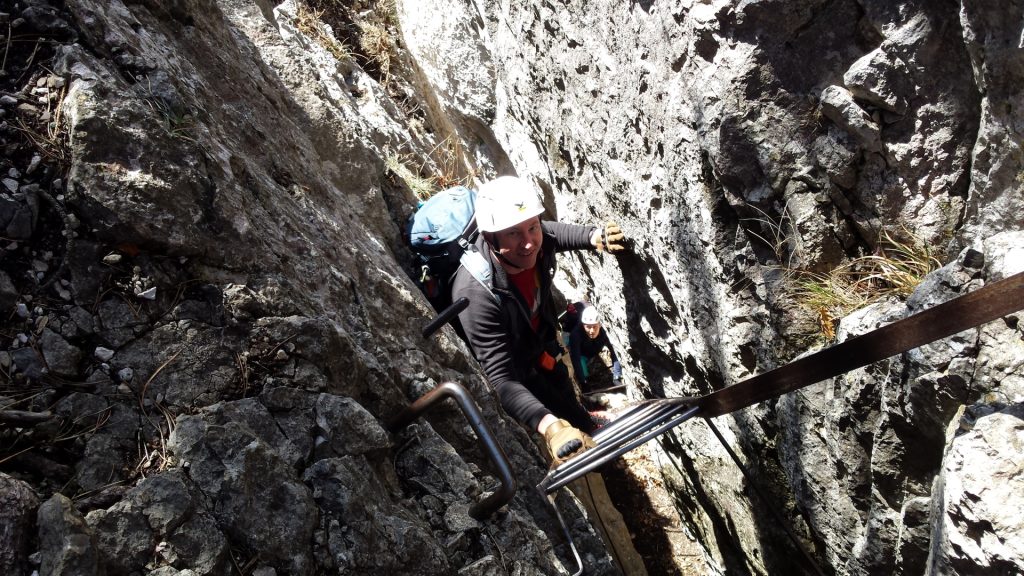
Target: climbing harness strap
{"points": [[653, 418]]}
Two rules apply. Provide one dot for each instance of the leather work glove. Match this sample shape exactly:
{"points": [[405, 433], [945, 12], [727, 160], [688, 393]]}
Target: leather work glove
{"points": [[564, 441], [611, 238]]}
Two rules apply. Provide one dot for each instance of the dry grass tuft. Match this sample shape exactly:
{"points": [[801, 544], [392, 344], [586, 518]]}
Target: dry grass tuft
{"points": [[309, 21], [422, 187], [378, 46], [896, 268], [774, 233], [444, 172], [376, 43], [175, 124], [449, 154]]}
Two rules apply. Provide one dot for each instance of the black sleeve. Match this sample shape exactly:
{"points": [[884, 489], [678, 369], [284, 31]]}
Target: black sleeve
{"points": [[492, 346], [569, 236]]}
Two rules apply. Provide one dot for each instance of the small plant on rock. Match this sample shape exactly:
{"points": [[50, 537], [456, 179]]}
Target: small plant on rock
{"points": [[309, 21], [894, 270], [442, 169], [421, 187], [774, 233]]}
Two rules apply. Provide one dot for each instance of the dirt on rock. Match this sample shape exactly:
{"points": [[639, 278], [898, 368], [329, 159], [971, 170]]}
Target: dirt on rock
{"points": [[666, 545], [637, 489]]}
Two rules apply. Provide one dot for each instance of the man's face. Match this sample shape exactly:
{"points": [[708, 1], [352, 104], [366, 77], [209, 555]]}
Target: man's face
{"points": [[520, 244], [592, 330]]}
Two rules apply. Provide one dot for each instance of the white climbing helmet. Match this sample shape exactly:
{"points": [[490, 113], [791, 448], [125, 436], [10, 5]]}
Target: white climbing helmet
{"points": [[589, 315], [504, 202]]}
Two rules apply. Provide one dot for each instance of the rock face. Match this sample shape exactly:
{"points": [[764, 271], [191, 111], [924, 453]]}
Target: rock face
{"points": [[239, 323], [207, 288], [733, 141], [17, 507]]}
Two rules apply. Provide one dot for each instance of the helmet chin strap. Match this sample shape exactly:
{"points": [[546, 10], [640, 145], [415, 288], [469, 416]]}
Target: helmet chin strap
{"points": [[492, 242], [507, 261]]}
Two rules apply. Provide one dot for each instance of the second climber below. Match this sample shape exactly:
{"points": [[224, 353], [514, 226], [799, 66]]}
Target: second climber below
{"points": [[586, 341]]}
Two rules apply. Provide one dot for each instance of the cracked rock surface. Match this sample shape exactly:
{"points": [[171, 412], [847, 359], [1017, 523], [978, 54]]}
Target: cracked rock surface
{"points": [[209, 315]]}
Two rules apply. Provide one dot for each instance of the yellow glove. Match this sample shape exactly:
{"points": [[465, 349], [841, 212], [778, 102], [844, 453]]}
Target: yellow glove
{"points": [[564, 441], [611, 238]]}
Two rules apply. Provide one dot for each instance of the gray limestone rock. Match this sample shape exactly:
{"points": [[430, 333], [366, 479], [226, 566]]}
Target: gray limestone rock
{"points": [[256, 496], [117, 322], [8, 293], [28, 361], [978, 494], [878, 78], [188, 368], [113, 435], [995, 190], [838, 104], [18, 214], [162, 519], [67, 544], [253, 171], [367, 531], [62, 358], [18, 505], [346, 428]]}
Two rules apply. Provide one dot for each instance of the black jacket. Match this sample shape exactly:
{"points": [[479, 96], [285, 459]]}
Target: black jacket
{"points": [[582, 346], [498, 330]]}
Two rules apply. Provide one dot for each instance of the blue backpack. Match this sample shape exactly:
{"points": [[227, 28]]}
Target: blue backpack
{"points": [[442, 233]]}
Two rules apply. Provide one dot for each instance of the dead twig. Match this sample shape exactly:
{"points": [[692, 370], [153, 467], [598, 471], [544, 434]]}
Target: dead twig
{"points": [[31, 60], [24, 418], [7, 47], [145, 386], [16, 454], [101, 419]]}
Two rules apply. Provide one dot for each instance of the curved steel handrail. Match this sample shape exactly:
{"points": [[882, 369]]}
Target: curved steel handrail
{"points": [[503, 495]]}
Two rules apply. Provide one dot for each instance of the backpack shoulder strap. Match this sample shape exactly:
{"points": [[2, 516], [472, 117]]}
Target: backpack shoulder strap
{"points": [[479, 267]]}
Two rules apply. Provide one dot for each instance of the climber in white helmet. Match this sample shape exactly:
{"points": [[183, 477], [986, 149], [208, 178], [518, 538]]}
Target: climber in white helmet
{"points": [[512, 329], [586, 342]]}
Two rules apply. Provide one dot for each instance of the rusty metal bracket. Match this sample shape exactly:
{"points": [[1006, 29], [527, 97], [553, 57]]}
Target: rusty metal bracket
{"points": [[503, 495]]}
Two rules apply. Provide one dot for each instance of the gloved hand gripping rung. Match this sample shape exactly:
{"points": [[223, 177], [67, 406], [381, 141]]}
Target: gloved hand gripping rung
{"points": [[634, 428]]}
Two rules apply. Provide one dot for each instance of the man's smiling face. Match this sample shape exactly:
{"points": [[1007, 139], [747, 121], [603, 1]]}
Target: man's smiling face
{"points": [[520, 244]]}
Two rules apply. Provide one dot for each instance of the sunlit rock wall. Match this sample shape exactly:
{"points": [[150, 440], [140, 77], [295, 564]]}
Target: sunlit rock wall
{"points": [[236, 318], [733, 142]]}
